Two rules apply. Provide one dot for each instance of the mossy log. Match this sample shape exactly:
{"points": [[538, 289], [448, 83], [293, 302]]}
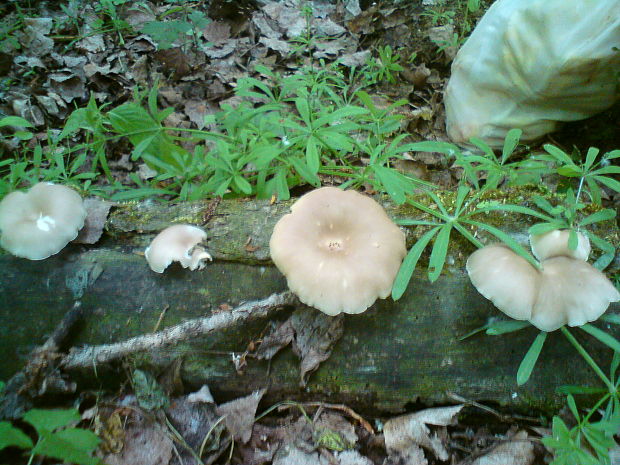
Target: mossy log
{"points": [[394, 354]]}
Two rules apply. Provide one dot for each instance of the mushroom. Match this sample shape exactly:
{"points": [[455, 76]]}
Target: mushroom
{"points": [[40, 222], [572, 292], [567, 290], [338, 250], [505, 278], [177, 243], [555, 243]]}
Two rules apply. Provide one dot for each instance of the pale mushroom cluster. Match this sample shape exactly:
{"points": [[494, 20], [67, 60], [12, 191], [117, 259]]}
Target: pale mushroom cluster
{"points": [[566, 290], [338, 250], [40, 222]]}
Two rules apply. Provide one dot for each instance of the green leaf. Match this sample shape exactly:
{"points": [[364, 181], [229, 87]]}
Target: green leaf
{"points": [[602, 336], [569, 171], [11, 436], [435, 146], [395, 184], [558, 154], [50, 420], [340, 114], [242, 184], [54, 445], [164, 33], [438, 254], [542, 228], [15, 121], [601, 215], [613, 318], [281, 184], [306, 173], [510, 143], [570, 400], [312, 156], [505, 326], [529, 361], [590, 157], [514, 209], [506, 239], [609, 182], [482, 145], [409, 264]]}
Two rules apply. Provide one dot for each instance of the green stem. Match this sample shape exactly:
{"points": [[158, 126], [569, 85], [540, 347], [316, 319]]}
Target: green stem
{"points": [[588, 359]]}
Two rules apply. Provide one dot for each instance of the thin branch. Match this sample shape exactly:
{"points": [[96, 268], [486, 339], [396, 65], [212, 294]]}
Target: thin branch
{"points": [[88, 356]]}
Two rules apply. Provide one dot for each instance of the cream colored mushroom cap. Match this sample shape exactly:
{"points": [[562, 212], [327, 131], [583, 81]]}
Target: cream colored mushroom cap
{"points": [[338, 250], [572, 292], [40, 222], [555, 243], [177, 243], [505, 278]]}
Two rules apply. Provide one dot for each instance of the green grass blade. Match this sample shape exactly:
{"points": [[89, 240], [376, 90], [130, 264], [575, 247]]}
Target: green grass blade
{"points": [[506, 239], [439, 252], [531, 357], [602, 336], [409, 264]]}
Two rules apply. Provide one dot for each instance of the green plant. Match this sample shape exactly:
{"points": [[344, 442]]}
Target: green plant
{"points": [[439, 17], [459, 216], [56, 437], [110, 19], [386, 67], [497, 171], [167, 32], [590, 172]]}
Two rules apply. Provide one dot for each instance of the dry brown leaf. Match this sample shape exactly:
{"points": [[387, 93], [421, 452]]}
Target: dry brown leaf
{"points": [[410, 431], [96, 215], [517, 451], [145, 444], [239, 415]]}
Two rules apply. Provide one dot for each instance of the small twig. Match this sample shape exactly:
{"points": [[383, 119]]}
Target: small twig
{"points": [[499, 415], [88, 356], [161, 317]]}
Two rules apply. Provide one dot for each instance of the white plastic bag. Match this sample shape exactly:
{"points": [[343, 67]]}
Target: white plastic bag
{"points": [[530, 64]]}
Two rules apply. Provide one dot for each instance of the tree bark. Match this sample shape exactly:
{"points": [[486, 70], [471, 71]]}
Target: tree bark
{"points": [[394, 354]]}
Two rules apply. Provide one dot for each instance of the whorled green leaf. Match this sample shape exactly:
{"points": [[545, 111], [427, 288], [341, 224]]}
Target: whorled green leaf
{"points": [[409, 263], [505, 326], [51, 419], [10, 436], [602, 336], [531, 357], [439, 252]]}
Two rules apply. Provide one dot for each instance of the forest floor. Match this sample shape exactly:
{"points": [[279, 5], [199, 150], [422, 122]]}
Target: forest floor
{"points": [[56, 57]]}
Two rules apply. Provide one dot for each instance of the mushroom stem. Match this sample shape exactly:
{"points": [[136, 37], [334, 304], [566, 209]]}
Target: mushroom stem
{"points": [[89, 356]]}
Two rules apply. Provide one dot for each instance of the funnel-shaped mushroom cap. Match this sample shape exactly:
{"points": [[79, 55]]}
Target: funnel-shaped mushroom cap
{"points": [[338, 250], [567, 290], [555, 244], [505, 278], [177, 243], [571, 292], [40, 222]]}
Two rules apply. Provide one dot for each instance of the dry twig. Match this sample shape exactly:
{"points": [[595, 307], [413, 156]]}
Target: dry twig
{"points": [[91, 355]]}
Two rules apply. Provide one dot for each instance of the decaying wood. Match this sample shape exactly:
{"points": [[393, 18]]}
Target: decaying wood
{"points": [[393, 354], [88, 356]]}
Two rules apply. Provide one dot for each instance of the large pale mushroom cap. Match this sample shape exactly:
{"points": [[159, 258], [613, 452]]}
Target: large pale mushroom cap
{"points": [[40, 222], [568, 290], [338, 250], [555, 244], [572, 292], [505, 278], [177, 243]]}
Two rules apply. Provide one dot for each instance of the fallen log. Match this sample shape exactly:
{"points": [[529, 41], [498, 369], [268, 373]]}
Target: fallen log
{"points": [[394, 354]]}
